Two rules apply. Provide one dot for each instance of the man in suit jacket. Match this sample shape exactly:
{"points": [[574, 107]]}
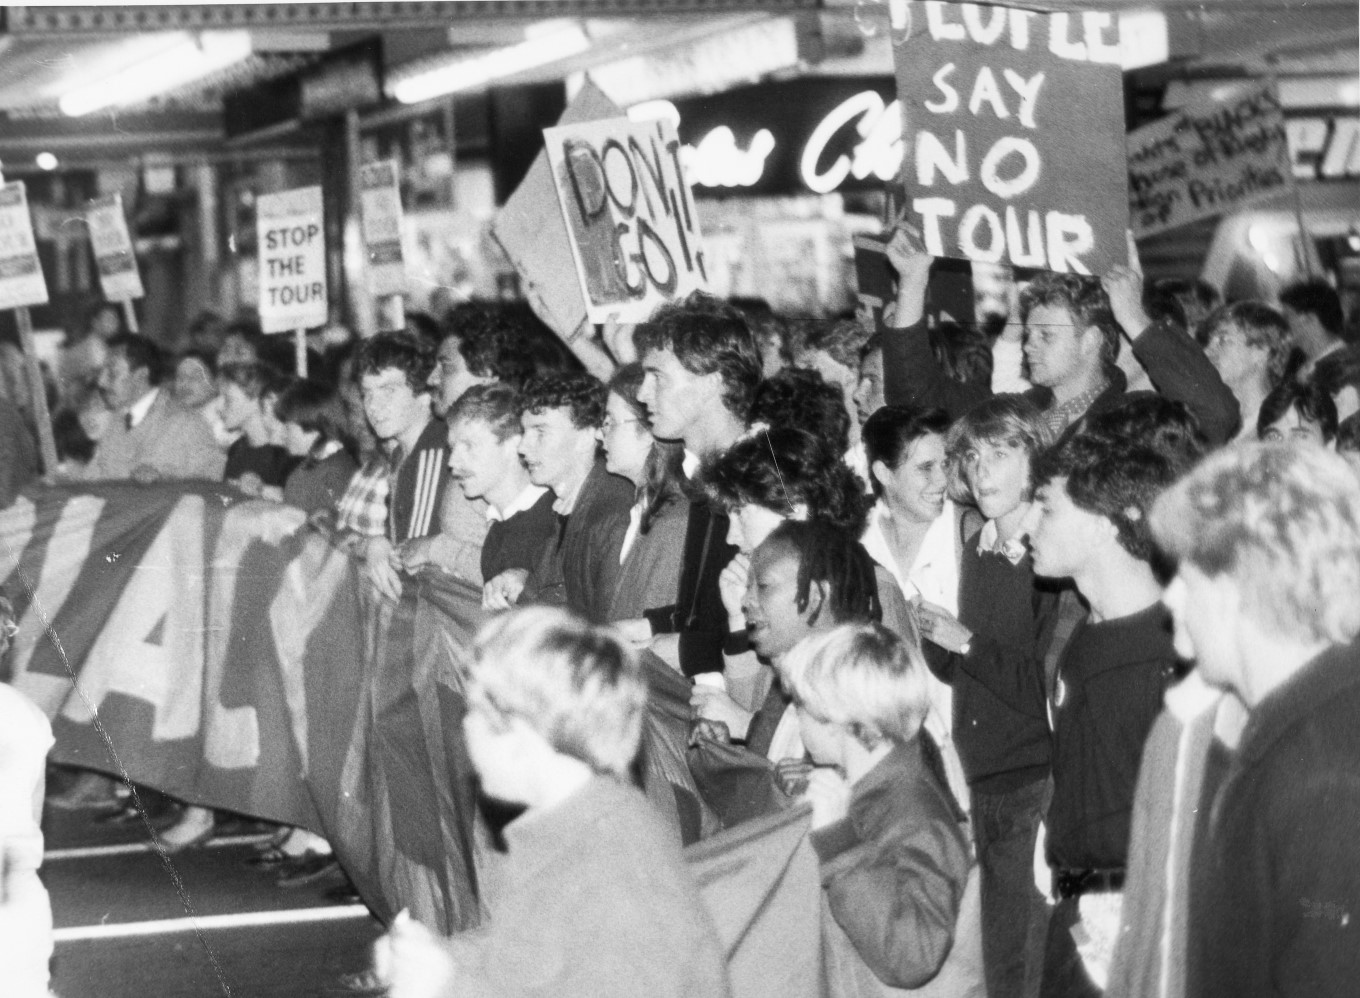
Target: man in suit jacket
{"points": [[150, 439]]}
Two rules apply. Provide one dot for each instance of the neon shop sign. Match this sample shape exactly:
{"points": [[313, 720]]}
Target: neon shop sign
{"points": [[865, 126]]}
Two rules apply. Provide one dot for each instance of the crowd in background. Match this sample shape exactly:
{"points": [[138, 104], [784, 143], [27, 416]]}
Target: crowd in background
{"points": [[946, 583]]}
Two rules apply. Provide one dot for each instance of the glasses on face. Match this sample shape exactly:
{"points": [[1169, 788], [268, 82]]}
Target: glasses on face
{"points": [[610, 424]]}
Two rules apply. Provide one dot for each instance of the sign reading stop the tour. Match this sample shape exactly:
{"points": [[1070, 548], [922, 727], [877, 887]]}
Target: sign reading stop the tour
{"points": [[292, 246], [21, 276], [634, 230], [1014, 125], [112, 246]]}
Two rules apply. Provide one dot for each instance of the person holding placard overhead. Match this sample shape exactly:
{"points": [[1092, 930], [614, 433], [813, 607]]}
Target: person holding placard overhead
{"points": [[1073, 329]]}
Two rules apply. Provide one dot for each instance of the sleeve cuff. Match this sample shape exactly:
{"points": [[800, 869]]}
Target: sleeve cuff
{"points": [[834, 840]]}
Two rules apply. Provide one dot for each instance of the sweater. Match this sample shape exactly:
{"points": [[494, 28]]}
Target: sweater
{"points": [[519, 540]]}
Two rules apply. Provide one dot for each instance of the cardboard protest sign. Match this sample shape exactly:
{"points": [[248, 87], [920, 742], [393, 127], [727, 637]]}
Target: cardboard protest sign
{"points": [[21, 276], [633, 225], [292, 241], [380, 210], [1207, 159], [1014, 127], [532, 231], [112, 246]]}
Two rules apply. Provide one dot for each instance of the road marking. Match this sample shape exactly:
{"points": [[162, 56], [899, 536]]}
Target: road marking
{"points": [[238, 920], [130, 848]]}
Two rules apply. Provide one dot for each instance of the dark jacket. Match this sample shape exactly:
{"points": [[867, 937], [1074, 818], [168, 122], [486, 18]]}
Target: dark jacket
{"points": [[418, 490], [1275, 892], [698, 614], [1174, 362], [895, 872], [579, 570], [650, 574]]}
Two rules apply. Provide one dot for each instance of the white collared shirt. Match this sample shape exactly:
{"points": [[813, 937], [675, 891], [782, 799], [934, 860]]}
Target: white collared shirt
{"points": [[935, 573], [564, 504], [525, 500], [1012, 550], [634, 528], [690, 463], [138, 410]]}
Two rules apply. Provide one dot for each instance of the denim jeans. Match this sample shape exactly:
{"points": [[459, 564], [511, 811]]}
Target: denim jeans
{"points": [[1014, 912]]}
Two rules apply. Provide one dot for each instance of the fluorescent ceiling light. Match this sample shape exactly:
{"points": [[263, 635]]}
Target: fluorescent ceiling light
{"points": [[467, 74], [191, 59]]}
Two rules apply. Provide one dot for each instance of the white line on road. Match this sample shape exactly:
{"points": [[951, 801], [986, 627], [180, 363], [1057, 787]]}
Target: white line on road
{"points": [[129, 848], [239, 920]]}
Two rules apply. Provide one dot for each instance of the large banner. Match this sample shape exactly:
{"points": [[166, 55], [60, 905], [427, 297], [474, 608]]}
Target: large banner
{"points": [[1207, 159], [633, 224], [1014, 132]]}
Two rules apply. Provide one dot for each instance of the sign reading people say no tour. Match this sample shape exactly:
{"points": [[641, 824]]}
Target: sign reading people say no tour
{"points": [[634, 231], [1014, 125], [292, 247]]}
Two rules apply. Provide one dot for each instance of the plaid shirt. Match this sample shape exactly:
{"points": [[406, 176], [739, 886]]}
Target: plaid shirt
{"points": [[363, 507]]}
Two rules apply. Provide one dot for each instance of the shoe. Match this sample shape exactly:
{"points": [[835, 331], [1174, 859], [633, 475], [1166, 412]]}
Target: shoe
{"points": [[196, 826], [267, 859], [307, 869], [363, 982], [87, 791], [346, 893]]}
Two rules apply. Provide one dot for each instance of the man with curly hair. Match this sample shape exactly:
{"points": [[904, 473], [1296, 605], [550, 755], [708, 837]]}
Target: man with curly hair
{"points": [[561, 415]]}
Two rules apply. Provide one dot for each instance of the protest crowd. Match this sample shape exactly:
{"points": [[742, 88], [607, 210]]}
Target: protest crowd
{"points": [[1035, 636]]}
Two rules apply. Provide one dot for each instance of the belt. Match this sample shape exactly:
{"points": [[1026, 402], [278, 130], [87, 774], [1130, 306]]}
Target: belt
{"points": [[1075, 883]]}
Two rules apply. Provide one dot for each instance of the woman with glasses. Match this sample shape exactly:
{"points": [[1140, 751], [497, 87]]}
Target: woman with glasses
{"points": [[649, 572]]}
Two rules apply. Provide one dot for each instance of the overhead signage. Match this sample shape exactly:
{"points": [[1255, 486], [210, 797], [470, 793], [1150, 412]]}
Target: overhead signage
{"points": [[21, 276], [1014, 124], [112, 245], [633, 225], [291, 237], [380, 211]]}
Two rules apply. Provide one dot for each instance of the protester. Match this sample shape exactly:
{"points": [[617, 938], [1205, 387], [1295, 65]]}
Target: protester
{"points": [[1005, 752], [701, 372], [561, 417], [1248, 344], [26, 941], [18, 453], [255, 464], [1268, 542], [799, 398], [1338, 374], [1089, 524], [315, 433], [149, 439], [893, 847], [868, 397], [649, 569], [916, 532], [1298, 411], [397, 494], [1072, 337], [485, 435], [832, 349], [1313, 310], [598, 901]]}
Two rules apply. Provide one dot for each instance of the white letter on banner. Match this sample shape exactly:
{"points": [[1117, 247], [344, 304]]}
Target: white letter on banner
{"points": [[951, 96], [1029, 94], [991, 164], [932, 210], [1094, 24], [1015, 239], [931, 155], [985, 89], [972, 218], [151, 647], [939, 27], [1062, 251], [984, 33], [1058, 42], [1020, 28]]}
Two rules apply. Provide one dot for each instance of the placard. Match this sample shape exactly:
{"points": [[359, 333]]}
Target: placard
{"points": [[380, 212], [633, 225], [21, 276], [533, 233], [1014, 126], [292, 247], [112, 245], [1207, 159]]}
